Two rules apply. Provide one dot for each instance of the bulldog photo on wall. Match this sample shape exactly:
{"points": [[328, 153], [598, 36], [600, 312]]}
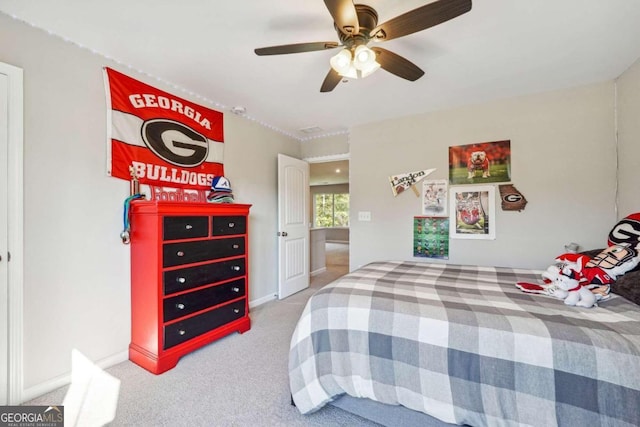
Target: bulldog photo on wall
{"points": [[480, 163]]}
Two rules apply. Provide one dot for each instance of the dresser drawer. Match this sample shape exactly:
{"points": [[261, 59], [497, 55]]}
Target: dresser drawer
{"points": [[184, 227], [202, 250], [192, 277], [180, 332], [225, 225], [185, 304]]}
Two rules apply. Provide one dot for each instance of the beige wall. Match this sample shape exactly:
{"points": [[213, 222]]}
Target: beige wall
{"points": [[317, 253], [76, 278], [325, 146], [628, 114], [563, 152]]}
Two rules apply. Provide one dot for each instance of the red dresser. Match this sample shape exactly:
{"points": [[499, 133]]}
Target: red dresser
{"points": [[189, 278]]}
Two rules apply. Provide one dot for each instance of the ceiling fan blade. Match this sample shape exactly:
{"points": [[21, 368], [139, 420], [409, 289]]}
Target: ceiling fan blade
{"points": [[344, 15], [396, 64], [421, 18], [331, 81], [295, 48]]}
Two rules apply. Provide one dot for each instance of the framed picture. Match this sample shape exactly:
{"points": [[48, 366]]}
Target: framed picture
{"points": [[435, 197], [480, 163], [472, 212], [431, 237]]}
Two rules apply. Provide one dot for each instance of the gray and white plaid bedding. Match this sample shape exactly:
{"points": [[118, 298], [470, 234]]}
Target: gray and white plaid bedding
{"points": [[463, 344]]}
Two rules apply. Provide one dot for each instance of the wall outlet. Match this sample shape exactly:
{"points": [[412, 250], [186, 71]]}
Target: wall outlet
{"points": [[364, 216]]}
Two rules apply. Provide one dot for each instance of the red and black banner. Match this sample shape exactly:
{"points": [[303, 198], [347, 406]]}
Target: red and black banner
{"points": [[167, 140]]}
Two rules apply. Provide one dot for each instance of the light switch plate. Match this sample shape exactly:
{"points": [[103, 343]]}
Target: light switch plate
{"points": [[364, 216]]}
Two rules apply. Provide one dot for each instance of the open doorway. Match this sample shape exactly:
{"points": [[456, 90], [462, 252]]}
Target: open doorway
{"points": [[329, 235]]}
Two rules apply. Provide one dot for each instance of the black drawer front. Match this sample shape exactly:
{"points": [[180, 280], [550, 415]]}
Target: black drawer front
{"points": [[202, 250], [185, 227], [192, 277], [182, 305], [180, 332], [225, 225]]}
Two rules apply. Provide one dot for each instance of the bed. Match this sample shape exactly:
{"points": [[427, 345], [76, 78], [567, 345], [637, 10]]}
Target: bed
{"points": [[463, 345]]}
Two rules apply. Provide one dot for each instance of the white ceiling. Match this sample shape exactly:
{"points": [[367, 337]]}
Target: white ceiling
{"points": [[501, 48]]}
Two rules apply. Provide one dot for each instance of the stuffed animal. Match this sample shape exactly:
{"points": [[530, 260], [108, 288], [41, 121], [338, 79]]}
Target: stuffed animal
{"points": [[595, 274], [583, 281], [565, 281]]}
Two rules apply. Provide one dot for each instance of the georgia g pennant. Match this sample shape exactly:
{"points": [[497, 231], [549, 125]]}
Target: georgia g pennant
{"points": [[169, 141]]}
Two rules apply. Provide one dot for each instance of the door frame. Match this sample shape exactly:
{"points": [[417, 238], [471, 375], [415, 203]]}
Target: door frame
{"points": [[15, 238], [325, 159]]}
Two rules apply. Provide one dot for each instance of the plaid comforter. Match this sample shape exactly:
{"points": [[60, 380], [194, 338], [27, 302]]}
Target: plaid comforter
{"points": [[463, 344]]}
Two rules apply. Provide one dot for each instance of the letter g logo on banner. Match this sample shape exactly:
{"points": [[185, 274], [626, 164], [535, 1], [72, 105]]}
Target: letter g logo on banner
{"points": [[175, 142], [512, 198]]}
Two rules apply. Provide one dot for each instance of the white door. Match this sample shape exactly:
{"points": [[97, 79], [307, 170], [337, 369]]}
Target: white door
{"points": [[4, 280], [11, 113], [293, 225]]}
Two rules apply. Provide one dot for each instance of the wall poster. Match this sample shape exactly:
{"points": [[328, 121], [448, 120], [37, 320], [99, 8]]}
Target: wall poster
{"points": [[472, 212], [431, 237], [435, 197], [480, 163]]}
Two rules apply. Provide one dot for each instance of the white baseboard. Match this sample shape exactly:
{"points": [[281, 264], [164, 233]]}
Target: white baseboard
{"points": [[346, 242], [65, 379], [318, 271], [263, 300]]}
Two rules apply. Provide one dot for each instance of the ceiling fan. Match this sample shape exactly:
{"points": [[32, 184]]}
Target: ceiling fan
{"points": [[357, 25]]}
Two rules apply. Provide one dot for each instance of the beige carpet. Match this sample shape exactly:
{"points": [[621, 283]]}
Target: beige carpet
{"points": [[337, 262], [240, 380]]}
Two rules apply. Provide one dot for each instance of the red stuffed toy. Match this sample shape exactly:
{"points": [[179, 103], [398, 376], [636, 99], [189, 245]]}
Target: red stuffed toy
{"points": [[573, 272], [582, 281]]}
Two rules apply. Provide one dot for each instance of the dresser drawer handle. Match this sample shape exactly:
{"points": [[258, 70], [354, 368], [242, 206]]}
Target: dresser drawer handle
{"points": [[235, 268], [235, 289], [180, 306], [181, 331], [232, 224], [236, 310], [180, 253], [236, 246], [188, 226], [181, 280]]}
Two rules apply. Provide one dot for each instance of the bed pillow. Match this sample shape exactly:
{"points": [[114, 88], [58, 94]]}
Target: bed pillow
{"points": [[628, 286]]}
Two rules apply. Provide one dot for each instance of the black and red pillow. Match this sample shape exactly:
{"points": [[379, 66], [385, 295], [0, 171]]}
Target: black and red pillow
{"points": [[626, 231]]}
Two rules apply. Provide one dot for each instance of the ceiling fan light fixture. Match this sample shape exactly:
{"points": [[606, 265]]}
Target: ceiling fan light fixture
{"points": [[341, 62], [364, 60], [363, 57], [350, 73], [369, 69], [357, 25]]}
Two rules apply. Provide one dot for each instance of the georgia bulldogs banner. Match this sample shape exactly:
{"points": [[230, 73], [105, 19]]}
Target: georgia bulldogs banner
{"points": [[169, 141]]}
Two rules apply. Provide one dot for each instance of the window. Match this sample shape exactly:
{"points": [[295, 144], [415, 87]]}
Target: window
{"points": [[331, 210]]}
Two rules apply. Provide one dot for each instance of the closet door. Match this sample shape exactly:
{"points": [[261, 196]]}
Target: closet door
{"points": [[11, 225], [4, 227]]}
